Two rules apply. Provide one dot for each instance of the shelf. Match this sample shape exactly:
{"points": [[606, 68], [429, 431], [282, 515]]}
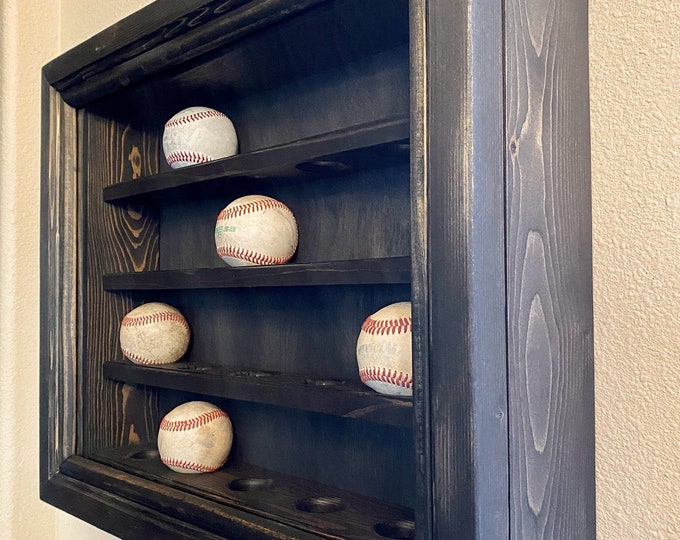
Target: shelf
{"points": [[392, 270], [239, 490], [347, 399], [360, 147]]}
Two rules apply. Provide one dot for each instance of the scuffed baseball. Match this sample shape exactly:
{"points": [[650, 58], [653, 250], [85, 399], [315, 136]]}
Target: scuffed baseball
{"points": [[154, 333], [195, 437], [256, 230], [198, 135], [384, 350]]}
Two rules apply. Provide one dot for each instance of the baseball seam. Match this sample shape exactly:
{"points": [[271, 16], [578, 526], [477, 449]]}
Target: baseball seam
{"points": [[381, 374], [191, 423], [192, 117], [140, 359], [402, 325], [153, 318], [259, 205], [191, 465], [190, 157], [250, 256]]}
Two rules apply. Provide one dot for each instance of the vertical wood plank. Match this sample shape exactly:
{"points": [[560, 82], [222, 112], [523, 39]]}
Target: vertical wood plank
{"points": [[116, 239], [459, 269], [58, 263], [550, 379]]}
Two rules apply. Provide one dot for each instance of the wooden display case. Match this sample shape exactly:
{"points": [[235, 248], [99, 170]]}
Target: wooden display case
{"points": [[431, 151]]}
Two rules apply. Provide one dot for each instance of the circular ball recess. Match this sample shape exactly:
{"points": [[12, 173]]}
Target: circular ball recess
{"points": [[154, 333], [195, 437], [198, 135], [256, 230], [384, 350]]}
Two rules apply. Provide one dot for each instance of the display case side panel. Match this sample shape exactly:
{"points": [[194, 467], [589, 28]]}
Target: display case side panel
{"points": [[550, 338], [120, 238], [459, 269], [58, 263]]}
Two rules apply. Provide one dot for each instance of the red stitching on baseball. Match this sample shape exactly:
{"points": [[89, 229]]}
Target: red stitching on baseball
{"points": [[161, 316], [191, 423], [139, 359], [191, 157], [250, 256], [191, 465], [259, 205], [397, 378], [199, 115], [402, 325]]}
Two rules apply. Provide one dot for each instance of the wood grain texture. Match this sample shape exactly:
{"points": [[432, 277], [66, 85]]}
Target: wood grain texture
{"points": [[135, 57], [419, 272], [550, 378], [493, 217], [115, 239], [210, 503], [358, 148], [361, 216], [369, 459], [226, 37], [127, 38], [58, 285], [349, 272], [111, 512], [311, 330], [458, 269], [334, 396]]}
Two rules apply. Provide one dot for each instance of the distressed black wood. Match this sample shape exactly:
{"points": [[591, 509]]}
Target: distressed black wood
{"points": [[58, 284], [431, 150], [550, 348], [115, 514], [250, 491], [361, 147], [458, 277], [134, 55], [339, 397], [118, 239], [353, 272], [211, 29]]}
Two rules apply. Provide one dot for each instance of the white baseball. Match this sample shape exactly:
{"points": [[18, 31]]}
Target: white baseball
{"points": [[384, 350], [154, 333], [195, 437], [198, 135], [256, 230]]}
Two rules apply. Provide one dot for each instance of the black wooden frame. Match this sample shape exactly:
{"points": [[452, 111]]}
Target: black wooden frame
{"points": [[501, 267]]}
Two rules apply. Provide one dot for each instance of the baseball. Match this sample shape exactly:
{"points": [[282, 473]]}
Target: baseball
{"points": [[256, 230], [384, 350], [154, 333], [198, 135], [195, 437]]}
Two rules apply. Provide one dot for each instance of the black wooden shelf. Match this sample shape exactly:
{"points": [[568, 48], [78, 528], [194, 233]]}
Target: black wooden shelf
{"points": [[357, 148], [337, 397], [389, 270], [305, 509]]}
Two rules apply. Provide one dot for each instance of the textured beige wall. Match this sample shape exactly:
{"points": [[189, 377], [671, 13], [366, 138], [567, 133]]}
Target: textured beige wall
{"points": [[635, 97], [636, 219], [24, 43]]}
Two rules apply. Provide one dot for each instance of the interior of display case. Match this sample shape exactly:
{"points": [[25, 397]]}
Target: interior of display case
{"points": [[327, 134]]}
